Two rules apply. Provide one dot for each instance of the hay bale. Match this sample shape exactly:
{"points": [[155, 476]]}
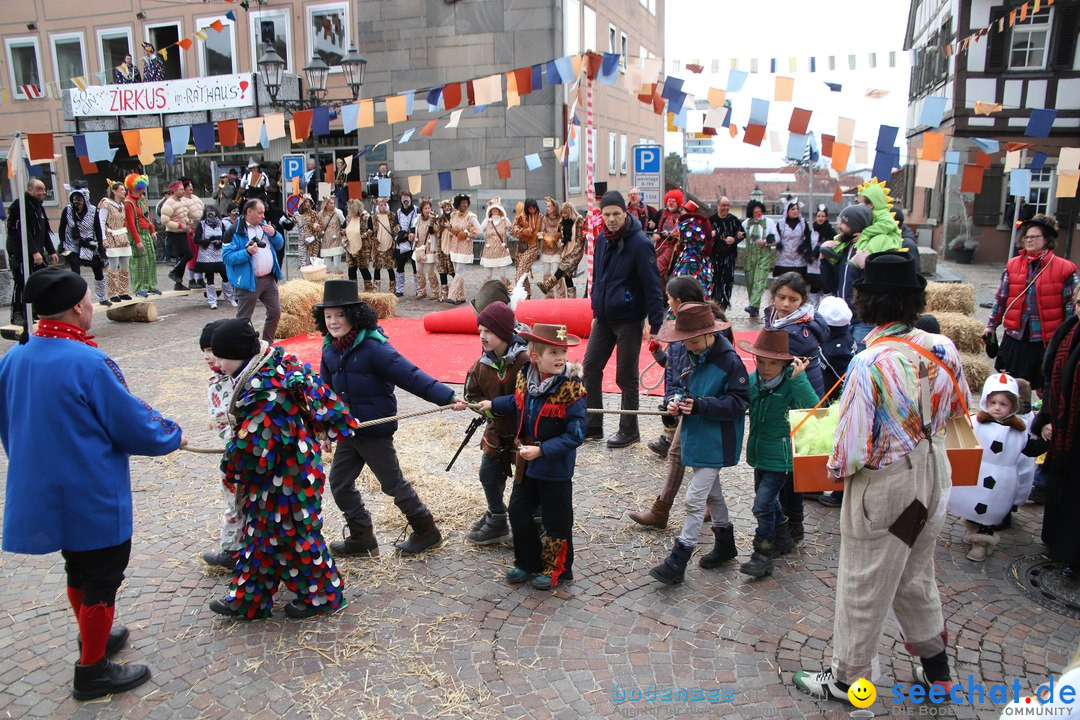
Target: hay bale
{"points": [[298, 297], [976, 369], [384, 304], [950, 297], [965, 331], [293, 325]]}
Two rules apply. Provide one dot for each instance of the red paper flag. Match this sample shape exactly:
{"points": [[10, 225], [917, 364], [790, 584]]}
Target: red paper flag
{"points": [[228, 133], [217, 25], [826, 145], [185, 43], [658, 101], [696, 69], [88, 167], [982, 159], [451, 95], [647, 97], [754, 134], [972, 179], [356, 190], [302, 123], [524, 80], [838, 194], [800, 121], [41, 146], [329, 173], [429, 128], [595, 61], [470, 93], [503, 167]]}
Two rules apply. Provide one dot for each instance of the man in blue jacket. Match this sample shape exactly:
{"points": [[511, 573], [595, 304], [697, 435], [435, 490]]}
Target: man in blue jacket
{"points": [[250, 254], [75, 496], [625, 291]]}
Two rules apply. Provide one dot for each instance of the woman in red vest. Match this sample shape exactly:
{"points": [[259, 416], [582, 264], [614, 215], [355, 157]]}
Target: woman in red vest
{"points": [[1034, 298]]}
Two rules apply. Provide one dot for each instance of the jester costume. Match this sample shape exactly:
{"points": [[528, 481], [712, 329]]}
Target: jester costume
{"points": [[279, 409], [141, 230], [695, 257]]}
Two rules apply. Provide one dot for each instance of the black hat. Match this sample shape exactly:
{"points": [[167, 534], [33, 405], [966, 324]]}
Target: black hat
{"points": [[489, 292], [1047, 223], [339, 293], [54, 291], [612, 197], [207, 334], [890, 271], [235, 340]]}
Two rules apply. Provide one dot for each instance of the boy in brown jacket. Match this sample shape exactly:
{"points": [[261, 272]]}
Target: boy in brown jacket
{"points": [[494, 374]]}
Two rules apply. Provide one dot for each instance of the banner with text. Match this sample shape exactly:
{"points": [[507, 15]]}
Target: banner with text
{"points": [[217, 92]]}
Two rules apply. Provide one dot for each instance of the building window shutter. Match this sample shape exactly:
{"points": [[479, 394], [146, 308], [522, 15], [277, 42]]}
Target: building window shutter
{"points": [[1068, 23], [987, 209], [999, 42]]}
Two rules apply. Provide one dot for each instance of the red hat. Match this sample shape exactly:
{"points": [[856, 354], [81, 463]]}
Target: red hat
{"points": [[690, 207]]}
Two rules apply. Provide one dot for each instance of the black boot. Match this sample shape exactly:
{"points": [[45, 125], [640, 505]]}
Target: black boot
{"points": [[361, 541], [785, 543], [481, 522], [673, 569], [723, 550], [795, 526], [493, 531], [105, 678], [760, 563], [424, 535]]}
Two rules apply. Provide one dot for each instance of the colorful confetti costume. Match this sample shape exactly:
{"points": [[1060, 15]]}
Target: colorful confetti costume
{"points": [[279, 409], [695, 257]]}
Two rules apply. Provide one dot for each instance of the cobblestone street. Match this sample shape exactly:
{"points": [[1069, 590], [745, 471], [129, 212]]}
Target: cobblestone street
{"points": [[442, 636]]}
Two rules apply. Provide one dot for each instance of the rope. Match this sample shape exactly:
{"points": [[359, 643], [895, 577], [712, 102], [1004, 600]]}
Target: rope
{"points": [[641, 377], [404, 416]]}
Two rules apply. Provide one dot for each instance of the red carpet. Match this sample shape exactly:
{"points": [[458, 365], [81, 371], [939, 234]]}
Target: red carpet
{"points": [[448, 356]]}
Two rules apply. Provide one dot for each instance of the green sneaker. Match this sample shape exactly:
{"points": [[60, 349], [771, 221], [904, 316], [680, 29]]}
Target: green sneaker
{"points": [[516, 575]]}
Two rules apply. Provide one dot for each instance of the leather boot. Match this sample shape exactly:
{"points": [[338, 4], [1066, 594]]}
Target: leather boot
{"points": [[656, 516], [675, 472], [723, 549], [424, 535], [673, 569], [105, 678], [360, 541]]}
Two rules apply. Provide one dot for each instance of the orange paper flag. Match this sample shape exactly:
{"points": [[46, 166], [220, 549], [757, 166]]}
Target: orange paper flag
{"points": [[356, 189], [429, 128], [217, 25], [503, 168], [972, 179], [185, 43], [41, 146], [132, 141], [785, 88], [733, 130], [302, 120], [88, 167], [841, 152], [395, 109], [366, 117], [228, 133], [932, 145], [838, 194]]}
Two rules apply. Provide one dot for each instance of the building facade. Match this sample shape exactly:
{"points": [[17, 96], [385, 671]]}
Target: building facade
{"points": [[409, 45], [1032, 62]]}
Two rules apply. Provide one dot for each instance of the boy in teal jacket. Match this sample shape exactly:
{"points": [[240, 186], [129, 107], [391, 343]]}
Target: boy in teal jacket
{"points": [[711, 432], [777, 385]]}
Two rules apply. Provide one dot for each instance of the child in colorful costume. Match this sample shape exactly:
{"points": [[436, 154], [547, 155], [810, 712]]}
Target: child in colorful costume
{"points": [[695, 253], [279, 411], [141, 231]]}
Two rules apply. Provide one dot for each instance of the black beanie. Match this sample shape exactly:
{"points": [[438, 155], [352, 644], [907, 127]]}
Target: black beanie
{"points": [[207, 334], [613, 197], [54, 291], [235, 340]]}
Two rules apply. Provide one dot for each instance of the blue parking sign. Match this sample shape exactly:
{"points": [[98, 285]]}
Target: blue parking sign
{"points": [[292, 166], [647, 158]]}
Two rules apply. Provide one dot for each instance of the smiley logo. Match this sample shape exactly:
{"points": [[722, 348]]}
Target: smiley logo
{"points": [[862, 693]]}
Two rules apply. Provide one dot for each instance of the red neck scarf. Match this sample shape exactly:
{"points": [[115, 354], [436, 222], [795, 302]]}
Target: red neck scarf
{"points": [[57, 329], [345, 342]]}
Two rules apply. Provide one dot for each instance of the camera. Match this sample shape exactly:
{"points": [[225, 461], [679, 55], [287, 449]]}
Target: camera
{"points": [[258, 242]]}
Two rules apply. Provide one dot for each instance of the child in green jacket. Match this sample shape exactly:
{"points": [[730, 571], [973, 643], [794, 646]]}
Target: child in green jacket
{"points": [[777, 385]]}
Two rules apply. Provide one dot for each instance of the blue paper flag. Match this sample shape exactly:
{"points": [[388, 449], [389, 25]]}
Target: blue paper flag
{"points": [[169, 159], [532, 161], [1040, 122], [409, 98], [553, 74], [796, 145], [566, 68], [952, 162], [320, 121], [886, 137], [1019, 182], [759, 112], [178, 138], [933, 110], [385, 187], [80, 145], [204, 136], [814, 154], [1038, 161], [445, 183], [33, 170], [97, 147], [834, 87], [407, 135], [434, 96], [884, 162], [610, 64], [365, 151], [813, 64], [479, 109], [680, 119], [735, 80], [350, 118], [987, 145], [264, 136], [727, 118], [231, 15], [675, 104], [537, 77], [672, 88], [772, 65]]}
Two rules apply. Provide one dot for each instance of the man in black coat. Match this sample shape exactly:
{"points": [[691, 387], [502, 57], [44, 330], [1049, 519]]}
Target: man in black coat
{"points": [[38, 243], [625, 290]]}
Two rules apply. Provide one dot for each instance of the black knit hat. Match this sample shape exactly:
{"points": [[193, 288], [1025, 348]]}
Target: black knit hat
{"points": [[613, 197], [235, 340], [54, 291], [207, 334]]}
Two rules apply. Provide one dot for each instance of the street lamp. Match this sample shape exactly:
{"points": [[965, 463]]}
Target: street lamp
{"points": [[272, 68], [354, 66], [317, 72], [757, 195]]}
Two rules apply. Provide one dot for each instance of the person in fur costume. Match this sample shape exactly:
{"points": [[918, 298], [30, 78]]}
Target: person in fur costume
{"points": [[425, 239], [526, 230], [358, 244], [307, 224], [463, 228], [1005, 440], [573, 249], [384, 229], [495, 229], [332, 221], [443, 265], [141, 231], [551, 241]]}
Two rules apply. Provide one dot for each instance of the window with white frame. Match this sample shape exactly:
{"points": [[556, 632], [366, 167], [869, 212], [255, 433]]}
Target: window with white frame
{"points": [[24, 65], [1029, 41], [574, 157], [1041, 195], [588, 29], [612, 39], [113, 45], [622, 154], [571, 27], [328, 32], [612, 159], [217, 55], [652, 6], [68, 56], [271, 27], [165, 35], [624, 49]]}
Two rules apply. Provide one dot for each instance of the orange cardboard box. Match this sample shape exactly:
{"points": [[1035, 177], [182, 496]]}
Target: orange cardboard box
{"points": [[961, 445]]}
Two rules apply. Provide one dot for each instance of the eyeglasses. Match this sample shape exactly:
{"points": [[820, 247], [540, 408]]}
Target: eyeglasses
{"points": [[1032, 237]]}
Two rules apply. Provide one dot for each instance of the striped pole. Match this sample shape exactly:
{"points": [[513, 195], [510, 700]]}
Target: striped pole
{"points": [[590, 190]]}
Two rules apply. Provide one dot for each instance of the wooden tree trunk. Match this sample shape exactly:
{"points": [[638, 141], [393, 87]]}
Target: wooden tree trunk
{"points": [[139, 312]]}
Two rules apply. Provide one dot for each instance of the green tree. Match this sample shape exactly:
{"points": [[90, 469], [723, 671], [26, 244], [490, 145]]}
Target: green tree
{"points": [[674, 169]]}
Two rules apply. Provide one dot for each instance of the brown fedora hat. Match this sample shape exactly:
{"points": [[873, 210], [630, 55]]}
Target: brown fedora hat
{"points": [[770, 344], [691, 319], [551, 335]]}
